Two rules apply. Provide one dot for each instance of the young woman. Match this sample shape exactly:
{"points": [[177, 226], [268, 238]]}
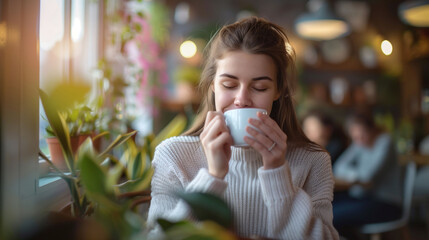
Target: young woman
{"points": [[282, 185]]}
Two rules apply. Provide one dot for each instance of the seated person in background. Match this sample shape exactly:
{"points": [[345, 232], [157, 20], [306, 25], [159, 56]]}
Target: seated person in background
{"points": [[323, 130], [370, 165]]}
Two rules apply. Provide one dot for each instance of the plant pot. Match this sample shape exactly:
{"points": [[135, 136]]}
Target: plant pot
{"points": [[57, 156], [96, 143]]}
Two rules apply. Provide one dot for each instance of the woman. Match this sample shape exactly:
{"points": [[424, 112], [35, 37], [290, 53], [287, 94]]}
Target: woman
{"points": [[320, 128], [281, 186]]}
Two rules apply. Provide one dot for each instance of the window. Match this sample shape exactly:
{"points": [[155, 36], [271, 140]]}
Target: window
{"points": [[69, 40], [69, 48], [24, 63]]}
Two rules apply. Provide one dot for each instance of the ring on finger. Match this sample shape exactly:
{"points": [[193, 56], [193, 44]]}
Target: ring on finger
{"points": [[272, 146]]}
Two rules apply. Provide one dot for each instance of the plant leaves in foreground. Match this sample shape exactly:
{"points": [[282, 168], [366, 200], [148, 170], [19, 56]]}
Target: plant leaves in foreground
{"points": [[206, 206]]}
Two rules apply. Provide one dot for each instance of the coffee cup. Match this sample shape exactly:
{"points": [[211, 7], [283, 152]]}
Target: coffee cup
{"points": [[237, 120]]}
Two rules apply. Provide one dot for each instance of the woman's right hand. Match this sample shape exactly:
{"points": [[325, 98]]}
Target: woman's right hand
{"points": [[216, 141]]}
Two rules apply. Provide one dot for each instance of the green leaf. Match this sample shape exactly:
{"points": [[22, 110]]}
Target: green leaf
{"points": [[86, 147], [92, 176], [118, 141], [144, 181], [66, 94], [100, 135], [59, 127], [173, 128], [105, 201], [206, 206], [147, 145], [167, 225], [114, 174], [139, 184], [138, 166], [75, 194]]}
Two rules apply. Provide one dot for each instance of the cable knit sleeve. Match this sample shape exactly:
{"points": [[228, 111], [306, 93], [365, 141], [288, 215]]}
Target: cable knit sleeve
{"points": [[295, 213], [172, 175]]}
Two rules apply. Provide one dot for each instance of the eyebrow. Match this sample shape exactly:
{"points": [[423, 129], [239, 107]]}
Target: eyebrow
{"points": [[254, 79]]}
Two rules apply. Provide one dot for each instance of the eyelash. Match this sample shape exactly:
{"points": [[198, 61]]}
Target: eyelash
{"points": [[260, 89], [256, 89], [228, 87]]}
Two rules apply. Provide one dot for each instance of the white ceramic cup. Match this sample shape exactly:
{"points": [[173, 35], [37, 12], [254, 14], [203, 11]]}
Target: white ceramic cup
{"points": [[237, 120]]}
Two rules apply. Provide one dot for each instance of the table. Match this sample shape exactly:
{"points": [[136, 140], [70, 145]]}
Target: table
{"points": [[419, 159]]}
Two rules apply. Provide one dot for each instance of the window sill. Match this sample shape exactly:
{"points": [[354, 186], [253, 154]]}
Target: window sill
{"points": [[52, 192]]}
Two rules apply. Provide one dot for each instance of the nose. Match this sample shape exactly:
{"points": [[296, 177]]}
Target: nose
{"points": [[242, 98]]}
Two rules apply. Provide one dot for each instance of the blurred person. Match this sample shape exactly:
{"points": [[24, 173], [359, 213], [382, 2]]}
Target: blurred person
{"points": [[371, 167], [281, 185], [323, 130]]}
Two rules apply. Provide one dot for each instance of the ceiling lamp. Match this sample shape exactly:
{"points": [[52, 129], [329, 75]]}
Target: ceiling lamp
{"points": [[415, 13], [322, 24]]}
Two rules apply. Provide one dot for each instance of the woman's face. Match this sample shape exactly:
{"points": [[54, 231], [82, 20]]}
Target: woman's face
{"points": [[315, 131], [245, 80]]}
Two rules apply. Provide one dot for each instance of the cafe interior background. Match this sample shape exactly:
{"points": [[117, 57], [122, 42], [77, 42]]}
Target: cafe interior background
{"points": [[141, 60]]}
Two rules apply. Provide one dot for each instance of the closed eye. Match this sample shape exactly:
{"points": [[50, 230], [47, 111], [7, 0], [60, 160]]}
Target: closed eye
{"points": [[228, 87], [261, 89]]}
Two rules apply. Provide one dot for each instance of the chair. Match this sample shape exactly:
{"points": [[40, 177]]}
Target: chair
{"points": [[421, 193], [375, 229]]}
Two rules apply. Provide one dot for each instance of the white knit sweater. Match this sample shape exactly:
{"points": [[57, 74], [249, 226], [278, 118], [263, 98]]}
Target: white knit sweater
{"points": [[289, 202]]}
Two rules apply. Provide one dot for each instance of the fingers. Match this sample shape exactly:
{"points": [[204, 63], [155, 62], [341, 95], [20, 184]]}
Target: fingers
{"points": [[269, 140], [268, 132], [257, 145], [209, 117], [216, 141], [273, 127], [214, 125]]}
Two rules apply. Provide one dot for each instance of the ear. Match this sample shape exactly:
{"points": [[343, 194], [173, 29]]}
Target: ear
{"points": [[277, 96], [212, 86]]}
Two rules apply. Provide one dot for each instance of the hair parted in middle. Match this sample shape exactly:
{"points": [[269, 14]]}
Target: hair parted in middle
{"points": [[256, 36]]}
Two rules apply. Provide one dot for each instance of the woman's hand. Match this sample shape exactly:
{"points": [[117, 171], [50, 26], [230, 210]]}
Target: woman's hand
{"points": [[216, 141], [270, 142]]}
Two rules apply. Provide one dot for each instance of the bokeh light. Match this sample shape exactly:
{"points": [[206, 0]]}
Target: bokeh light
{"points": [[188, 49], [386, 47]]}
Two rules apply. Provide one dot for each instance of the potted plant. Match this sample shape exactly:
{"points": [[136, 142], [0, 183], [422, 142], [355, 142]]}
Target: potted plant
{"points": [[82, 119], [106, 188]]}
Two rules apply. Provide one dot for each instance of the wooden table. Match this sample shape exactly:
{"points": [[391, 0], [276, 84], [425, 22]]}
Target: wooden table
{"points": [[419, 159]]}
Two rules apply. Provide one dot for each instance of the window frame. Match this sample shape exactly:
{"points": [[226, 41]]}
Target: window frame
{"points": [[19, 110], [23, 194]]}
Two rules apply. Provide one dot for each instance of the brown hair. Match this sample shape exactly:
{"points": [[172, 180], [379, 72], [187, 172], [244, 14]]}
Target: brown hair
{"points": [[257, 36], [364, 119]]}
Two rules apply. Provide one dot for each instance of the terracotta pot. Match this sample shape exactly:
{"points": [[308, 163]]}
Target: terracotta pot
{"points": [[96, 143], [57, 156]]}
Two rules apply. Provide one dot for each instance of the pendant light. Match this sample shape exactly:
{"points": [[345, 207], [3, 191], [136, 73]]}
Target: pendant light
{"points": [[415, 13], [322, 24]]}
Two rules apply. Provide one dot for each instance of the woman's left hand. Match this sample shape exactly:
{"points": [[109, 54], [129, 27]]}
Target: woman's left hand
{"points": [[270, 142]]}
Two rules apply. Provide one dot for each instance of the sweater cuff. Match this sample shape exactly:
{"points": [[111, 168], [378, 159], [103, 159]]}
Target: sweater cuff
{"points": [[204, 182], [276, 183]]}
